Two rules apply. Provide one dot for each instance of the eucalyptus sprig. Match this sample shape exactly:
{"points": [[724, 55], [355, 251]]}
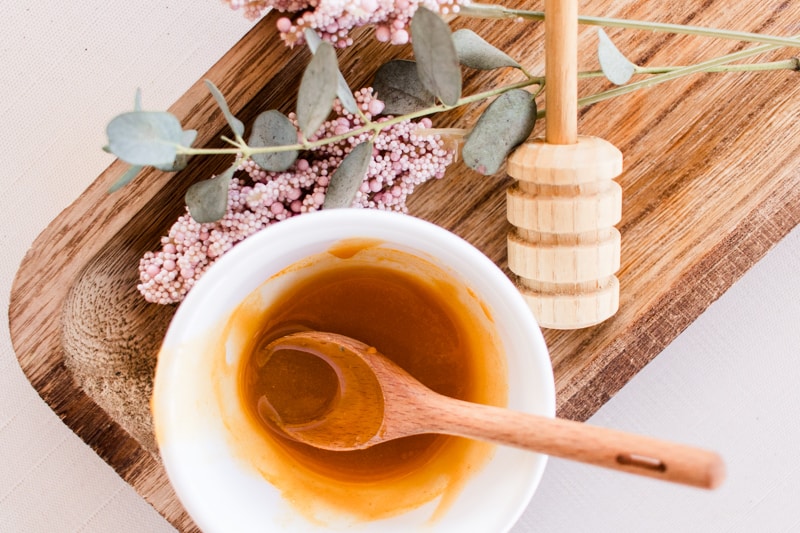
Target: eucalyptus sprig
{"points": [[491, 11], [428, 85]]}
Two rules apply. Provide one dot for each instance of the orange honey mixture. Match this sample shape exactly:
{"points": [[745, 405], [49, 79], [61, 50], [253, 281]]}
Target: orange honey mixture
{"points": [[423, 324]]}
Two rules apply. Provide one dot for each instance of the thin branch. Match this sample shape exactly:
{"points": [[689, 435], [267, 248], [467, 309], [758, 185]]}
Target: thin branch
{"points": [[500, 12]]}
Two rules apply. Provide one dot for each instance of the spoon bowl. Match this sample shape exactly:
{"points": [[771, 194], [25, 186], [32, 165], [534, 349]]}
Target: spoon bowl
{"points": [[378, 401], [354, 414]]}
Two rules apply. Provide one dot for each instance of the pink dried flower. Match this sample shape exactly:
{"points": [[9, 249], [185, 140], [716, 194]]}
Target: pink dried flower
{"points": [[253, 9], [402, 159], [334, 19]]}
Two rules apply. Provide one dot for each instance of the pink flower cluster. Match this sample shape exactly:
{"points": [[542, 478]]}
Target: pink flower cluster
{"points": [[333, 19], [402, 158]]}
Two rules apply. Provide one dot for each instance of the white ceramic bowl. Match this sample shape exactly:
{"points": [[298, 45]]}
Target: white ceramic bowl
{"points": [[221, 492]]}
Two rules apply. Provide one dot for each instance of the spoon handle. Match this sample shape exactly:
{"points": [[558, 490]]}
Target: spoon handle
{"points": [[627, 452]]}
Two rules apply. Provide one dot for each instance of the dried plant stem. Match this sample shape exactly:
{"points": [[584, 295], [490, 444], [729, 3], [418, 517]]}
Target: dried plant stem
{"points": [[784, 64], [246, 151], [705, 66], [500, 12], [662, 74]]}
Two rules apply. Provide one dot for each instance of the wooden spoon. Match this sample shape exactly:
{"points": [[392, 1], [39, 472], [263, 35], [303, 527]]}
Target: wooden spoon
{"points": [[378, 401]]}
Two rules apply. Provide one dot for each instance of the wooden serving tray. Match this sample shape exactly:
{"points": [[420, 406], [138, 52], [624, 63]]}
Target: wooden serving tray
{"points": [[711, 182]]}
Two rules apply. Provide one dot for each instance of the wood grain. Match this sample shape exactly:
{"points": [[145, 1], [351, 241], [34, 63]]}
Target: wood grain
{"points": [[608, 448], [564, 248], [711, 182], [561, 70]]}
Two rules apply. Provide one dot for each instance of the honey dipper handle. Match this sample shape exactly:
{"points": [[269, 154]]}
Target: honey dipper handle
{"points": [[561, 71], [627, 452]]}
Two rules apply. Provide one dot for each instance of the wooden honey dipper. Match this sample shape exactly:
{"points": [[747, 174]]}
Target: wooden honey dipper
{"points": [[565, 249]]}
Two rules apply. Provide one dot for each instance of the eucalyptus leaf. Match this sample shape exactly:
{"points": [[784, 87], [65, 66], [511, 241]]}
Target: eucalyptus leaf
{"points": [[273, 128], [437, 60], [347, 178], [188, 137], [398, 86], [342, 89], [236, 125], [137, 100], [317, 90], [503, 126], [616, 67], [474, 52], [181, 160], [145, 137], [179, 163], [312, 39], [207, 200], [126, 178]]}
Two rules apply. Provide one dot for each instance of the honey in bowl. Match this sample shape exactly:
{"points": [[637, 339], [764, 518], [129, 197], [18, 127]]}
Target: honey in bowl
{"points": [[411, 311]]}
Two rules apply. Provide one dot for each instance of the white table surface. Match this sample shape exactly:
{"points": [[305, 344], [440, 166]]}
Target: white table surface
{"points": [[729, 382]]}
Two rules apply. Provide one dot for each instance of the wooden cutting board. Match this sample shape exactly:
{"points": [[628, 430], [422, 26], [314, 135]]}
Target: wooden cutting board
{"points": [[711, 182]]}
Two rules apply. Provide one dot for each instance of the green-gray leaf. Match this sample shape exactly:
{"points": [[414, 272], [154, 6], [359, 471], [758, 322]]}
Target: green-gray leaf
{"points": [[145, 137], [181, 160], [126, 178], [398, 86], [474, 52], [137, 100], [273, 128], [505, 124], [317, 90], [437, 60], [236, 125], [207, 200], [347, 178], [342, 89], [614, 64], [188, 137]]}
